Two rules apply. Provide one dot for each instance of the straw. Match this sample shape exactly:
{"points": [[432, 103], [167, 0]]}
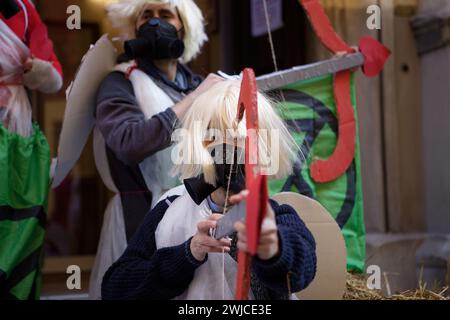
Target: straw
{"points": [[357, 290]]}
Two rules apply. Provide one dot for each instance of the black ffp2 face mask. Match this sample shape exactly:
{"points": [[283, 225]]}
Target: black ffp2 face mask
{"points": [[9, 8], [156, 39], [230, 172]]}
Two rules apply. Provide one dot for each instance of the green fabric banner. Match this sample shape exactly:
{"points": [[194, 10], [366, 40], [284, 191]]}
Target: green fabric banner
{"points": [[24, 184], [310, 113]]}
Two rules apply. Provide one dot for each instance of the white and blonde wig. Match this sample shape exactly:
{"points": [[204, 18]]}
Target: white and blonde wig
{"points": [[213, 114], [124, 14]]}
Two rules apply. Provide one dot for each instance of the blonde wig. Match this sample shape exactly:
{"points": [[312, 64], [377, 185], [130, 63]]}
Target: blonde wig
{"points": [[212, 115], [124, 14]]}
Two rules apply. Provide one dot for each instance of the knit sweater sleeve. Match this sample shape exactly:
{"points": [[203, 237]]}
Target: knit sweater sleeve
{"points": [[143, 272], [297, 259]]}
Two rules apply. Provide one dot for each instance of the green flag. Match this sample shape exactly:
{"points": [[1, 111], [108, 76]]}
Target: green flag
{"points": [[24, 169], [310, 113]]}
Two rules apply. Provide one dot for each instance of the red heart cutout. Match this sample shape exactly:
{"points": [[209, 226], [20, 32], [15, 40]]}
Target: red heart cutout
{"points": [[375, 56]]}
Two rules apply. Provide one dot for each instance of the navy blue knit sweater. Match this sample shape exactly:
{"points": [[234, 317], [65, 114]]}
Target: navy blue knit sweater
{"points": [[143, 272]]}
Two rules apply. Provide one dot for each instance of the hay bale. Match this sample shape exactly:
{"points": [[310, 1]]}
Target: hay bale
{"points": [[357, 290]]}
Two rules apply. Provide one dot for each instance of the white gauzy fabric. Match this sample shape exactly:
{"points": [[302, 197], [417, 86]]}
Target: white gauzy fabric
{"points": [[111, 246], [13, 96], [101, 161], [216, 278], [152, 100], [113, 241], [155, 170]]}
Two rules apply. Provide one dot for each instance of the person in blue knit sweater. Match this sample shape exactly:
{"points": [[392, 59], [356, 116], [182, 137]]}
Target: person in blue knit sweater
{"points": [[173, 256]]}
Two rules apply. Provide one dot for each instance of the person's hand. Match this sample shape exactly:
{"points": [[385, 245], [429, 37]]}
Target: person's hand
{"points": [[28, 65], [341, 54], [211, 80], [268, 246], [202, 243], [41, 75], [183, 106]]}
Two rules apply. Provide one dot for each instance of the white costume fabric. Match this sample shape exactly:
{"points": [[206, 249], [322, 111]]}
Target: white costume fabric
{"points": [[216, 278], [13, 53], [152, 100]]}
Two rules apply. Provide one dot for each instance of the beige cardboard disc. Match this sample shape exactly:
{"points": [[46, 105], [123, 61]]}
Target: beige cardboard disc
{"points": [[79, 114], [330, 280]]}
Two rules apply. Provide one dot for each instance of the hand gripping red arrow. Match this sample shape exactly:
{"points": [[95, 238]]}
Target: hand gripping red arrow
{"points": [[255, 182], [375, 56]]}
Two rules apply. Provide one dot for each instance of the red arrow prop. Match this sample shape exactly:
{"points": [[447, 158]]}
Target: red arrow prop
{"points": [[375, 54], [256, 183]]}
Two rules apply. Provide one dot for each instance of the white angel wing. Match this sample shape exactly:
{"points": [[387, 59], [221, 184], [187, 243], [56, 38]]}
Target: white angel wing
{"points": [[79, 115]]}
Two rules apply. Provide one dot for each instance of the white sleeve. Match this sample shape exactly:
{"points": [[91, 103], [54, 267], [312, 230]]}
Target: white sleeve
{"points": [[43, 77]]}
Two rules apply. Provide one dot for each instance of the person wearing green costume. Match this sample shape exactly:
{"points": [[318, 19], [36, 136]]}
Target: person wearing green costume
{"points": [[27, 62]]}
